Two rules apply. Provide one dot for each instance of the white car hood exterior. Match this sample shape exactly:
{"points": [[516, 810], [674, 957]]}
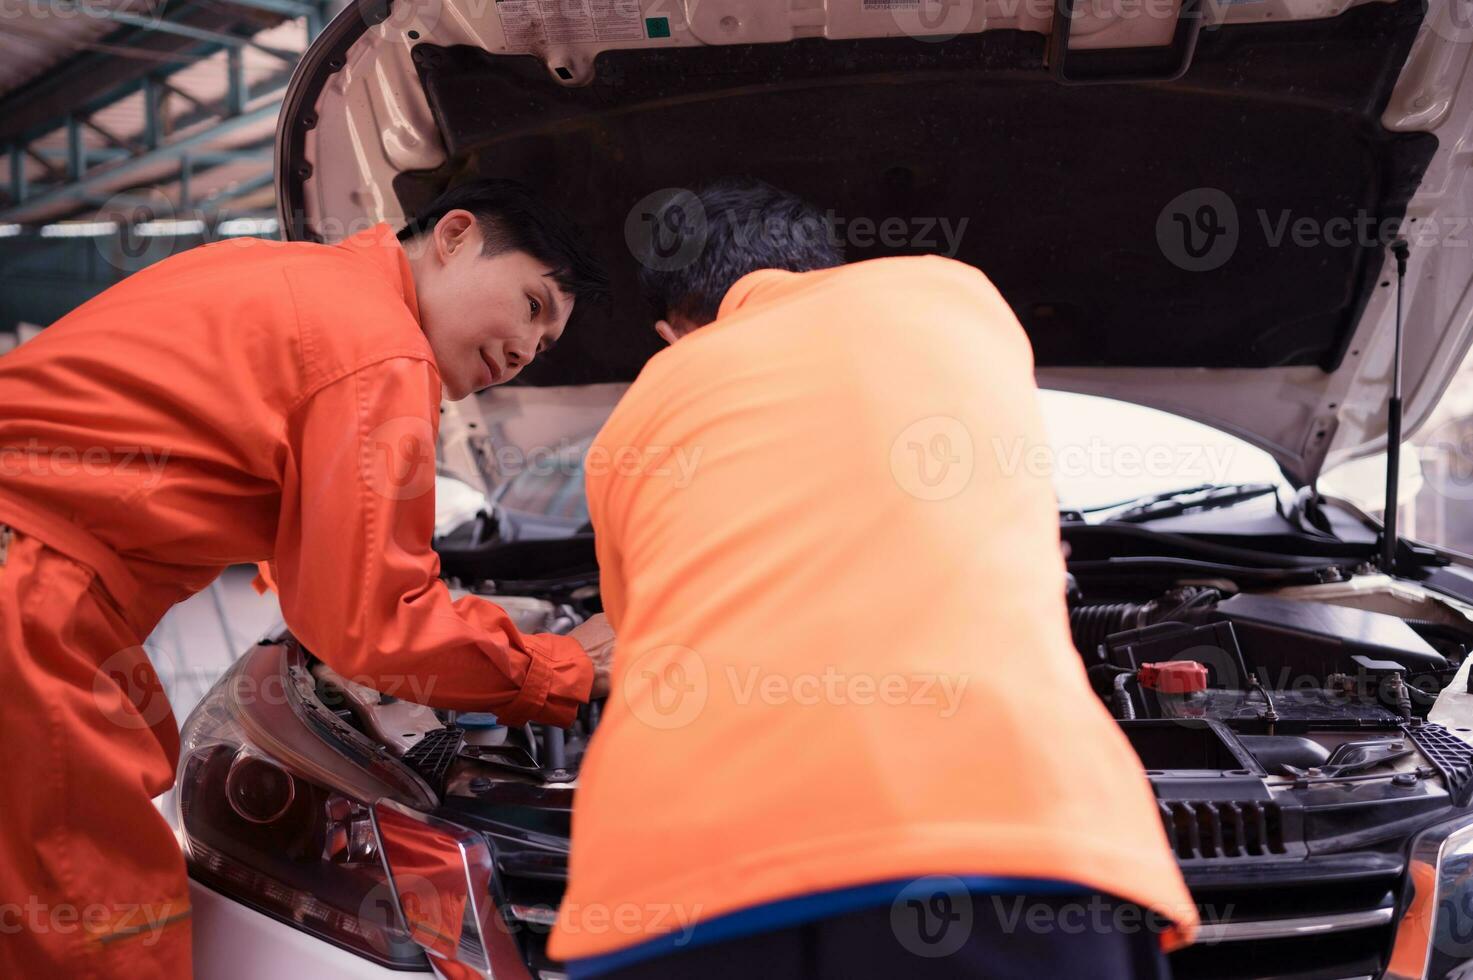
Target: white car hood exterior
{"points": [[371, 122]]}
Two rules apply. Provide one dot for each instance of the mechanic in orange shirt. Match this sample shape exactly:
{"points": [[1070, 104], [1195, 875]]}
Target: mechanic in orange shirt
{"points": [[245, 401], [849, 734]]}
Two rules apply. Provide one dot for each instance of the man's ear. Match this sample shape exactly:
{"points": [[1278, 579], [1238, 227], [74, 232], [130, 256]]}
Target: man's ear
{"points": [[456, 231], [675, 326]]}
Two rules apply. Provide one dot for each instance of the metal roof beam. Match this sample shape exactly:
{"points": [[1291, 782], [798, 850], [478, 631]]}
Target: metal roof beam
{"points": [[113, 139], [92, 80], [204, 162], [249, 186], [160, 24], [77, 192]]}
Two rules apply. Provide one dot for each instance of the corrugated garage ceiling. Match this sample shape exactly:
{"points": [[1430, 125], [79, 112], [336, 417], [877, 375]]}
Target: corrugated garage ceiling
{"points": [[101, 100]]}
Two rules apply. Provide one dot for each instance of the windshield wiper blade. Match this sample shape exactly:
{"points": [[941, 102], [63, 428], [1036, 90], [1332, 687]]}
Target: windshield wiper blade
{"points": [[1205, 497], [1142, 501]]}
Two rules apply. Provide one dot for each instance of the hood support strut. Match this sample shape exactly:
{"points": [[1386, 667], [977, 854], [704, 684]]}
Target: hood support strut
{"points": [[1393, 422]]}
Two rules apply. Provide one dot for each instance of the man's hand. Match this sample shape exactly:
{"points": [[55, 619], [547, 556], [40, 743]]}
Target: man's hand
{"points": [[596, 637]]}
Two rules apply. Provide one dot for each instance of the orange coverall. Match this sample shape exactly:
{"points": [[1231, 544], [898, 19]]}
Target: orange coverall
{"points": [[240, 402], [832, 561]]}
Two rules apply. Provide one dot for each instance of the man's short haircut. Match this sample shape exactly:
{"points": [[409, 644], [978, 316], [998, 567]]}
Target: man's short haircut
{"points": [[513, 219], [699, 244]]}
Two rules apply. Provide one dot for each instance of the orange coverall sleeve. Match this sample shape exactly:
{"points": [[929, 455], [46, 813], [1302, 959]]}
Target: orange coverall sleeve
{"points": [[358, 580]]}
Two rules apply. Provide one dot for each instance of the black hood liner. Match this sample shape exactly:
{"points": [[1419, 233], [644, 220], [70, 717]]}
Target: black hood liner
{"points": [[1061, 185]]}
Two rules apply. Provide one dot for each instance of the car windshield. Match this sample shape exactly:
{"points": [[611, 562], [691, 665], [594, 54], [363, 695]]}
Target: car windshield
{"points": [[525, 447], [1103, 451], [1100, 452], [552, 488]]}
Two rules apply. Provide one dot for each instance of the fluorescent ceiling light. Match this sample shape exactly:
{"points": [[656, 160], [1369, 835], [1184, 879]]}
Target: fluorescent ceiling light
{"points": [[170, 226], [248, 226], [79, 229]]}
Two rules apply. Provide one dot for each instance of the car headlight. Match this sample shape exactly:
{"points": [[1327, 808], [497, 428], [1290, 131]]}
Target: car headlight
{"points": [[1434, 939], [275, 805]]}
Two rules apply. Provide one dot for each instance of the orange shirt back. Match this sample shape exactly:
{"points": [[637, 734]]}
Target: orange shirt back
{"points": [[844, 657]]}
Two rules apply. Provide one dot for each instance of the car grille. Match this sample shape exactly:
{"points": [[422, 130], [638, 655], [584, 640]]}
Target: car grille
{"points": [[1222, 829], [1323, 918]]}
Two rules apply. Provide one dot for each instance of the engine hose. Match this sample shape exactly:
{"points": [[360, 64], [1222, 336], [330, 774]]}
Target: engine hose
{"points": [[1420, 696], [1194, 599], [1123, 704], [1091, 624]]}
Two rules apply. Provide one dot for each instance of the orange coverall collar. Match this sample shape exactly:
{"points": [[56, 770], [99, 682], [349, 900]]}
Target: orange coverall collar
{"points": [[748, 291], [380, 246]]}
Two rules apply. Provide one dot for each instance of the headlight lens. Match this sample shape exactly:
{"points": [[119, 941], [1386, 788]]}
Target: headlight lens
{"points": [[276, 817], [1434, 939]]}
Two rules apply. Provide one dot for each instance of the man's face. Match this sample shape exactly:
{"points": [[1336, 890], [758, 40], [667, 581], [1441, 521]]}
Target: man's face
{"points": [[486, 318]]}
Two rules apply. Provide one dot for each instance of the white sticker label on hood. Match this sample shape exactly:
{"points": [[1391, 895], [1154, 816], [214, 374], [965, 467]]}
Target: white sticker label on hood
{"points": [[567, 21], [617, 20], [532, 24], [521, 24]]}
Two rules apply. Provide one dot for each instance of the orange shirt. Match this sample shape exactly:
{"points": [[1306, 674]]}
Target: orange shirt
{"points": [[844, 655], [252, 400]]}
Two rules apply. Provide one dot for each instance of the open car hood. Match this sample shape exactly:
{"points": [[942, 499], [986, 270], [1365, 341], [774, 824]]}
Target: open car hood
{"points": [[1189, 212]]}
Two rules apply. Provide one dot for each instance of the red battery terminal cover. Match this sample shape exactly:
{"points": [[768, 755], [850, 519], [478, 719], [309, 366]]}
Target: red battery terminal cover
{"points": [[1174, 676]]}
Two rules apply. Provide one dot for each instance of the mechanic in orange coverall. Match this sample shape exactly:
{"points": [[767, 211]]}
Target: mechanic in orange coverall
{"points": [[241, 402]]}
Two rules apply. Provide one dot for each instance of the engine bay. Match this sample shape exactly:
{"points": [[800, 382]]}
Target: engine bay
{"points": [[1255, 714], [1297, 716], [1245, 706]]}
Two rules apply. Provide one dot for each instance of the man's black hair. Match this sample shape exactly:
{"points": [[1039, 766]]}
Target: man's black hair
{"points": [[693, 247], [513, 219]]}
